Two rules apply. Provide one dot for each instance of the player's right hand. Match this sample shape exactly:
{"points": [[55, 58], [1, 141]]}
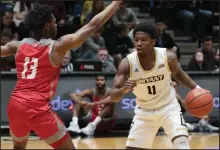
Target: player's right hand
{"points": [[129, 86]]}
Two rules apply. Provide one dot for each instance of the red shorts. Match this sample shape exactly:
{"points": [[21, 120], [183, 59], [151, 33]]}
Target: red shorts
{"points": [[23, 119]]}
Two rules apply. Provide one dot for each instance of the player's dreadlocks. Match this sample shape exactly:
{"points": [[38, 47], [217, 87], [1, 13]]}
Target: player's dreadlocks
{"points": [[38, 17]]}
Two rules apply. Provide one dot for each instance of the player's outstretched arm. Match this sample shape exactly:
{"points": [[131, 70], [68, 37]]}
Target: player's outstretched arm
{"points": [[118, 88], [9, 49], [69, 41], [177, 73], [77, 97]]}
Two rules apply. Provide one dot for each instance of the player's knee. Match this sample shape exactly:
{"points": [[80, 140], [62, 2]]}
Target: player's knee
{"points": [[181, 142], [64, 143]]}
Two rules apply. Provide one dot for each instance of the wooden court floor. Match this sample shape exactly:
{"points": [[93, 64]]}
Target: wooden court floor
{"points": [[197, 141]]}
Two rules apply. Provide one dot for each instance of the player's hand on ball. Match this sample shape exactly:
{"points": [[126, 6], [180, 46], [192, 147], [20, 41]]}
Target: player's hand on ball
{"points": [[129, 86]]}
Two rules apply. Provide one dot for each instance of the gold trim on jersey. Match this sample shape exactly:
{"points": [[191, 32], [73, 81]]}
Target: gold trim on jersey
{"points": [[130, 67], [130, 70], [155, 64], [166, 61]]}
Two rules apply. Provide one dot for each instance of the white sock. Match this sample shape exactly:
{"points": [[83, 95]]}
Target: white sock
{"points": [[181, 143], [96, 121], [75, 119]]}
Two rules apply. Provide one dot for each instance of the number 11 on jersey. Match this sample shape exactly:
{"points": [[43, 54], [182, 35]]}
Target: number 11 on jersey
{"points": [[151, 90], [33, 68]]}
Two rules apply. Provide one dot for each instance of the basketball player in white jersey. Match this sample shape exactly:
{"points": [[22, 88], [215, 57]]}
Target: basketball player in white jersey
{"points": [[147, 73]]}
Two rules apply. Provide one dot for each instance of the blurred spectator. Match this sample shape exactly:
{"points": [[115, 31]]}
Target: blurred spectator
{"points": [[208, 52], [126, 16], [87, 7], [7, 63], [67, 66], [197, 62], [91, 46], [5, 37], [195, 13], [97, 7], [204, 126], [217, 60], [164, 39], [7, 24], [107, 66], [122, 44], [21, 8]]}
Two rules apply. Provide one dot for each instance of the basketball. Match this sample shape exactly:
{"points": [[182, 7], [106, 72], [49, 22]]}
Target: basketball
{"points": [[199, 102]]}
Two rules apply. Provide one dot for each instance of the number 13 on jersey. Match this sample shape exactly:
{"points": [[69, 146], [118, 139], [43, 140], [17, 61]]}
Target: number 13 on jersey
{"points": [[33, 68]]}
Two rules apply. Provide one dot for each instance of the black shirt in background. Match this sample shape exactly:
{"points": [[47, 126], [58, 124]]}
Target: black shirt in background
{"points": [[121, 45]]}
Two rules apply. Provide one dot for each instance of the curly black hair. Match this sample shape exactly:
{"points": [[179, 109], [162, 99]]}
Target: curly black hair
{"points": [[38, 17], [147, 28]]}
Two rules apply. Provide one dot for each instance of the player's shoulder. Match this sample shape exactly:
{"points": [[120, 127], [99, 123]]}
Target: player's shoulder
{"points": [[171, 55]]}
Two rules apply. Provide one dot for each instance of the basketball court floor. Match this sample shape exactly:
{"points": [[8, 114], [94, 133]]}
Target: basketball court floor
{"points": [[197, 141]]}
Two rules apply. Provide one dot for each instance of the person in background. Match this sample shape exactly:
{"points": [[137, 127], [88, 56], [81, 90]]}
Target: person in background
{"points": [[107, 65], [197, 62], [5, 37], [97, 7], [126, 16], [87, 7], [101, 118], [208, 52], [164, 39], [7, 63], [122, 45], [91, 46], [67, 66], [7, 24], [21, 8], [204, 126], [217, 60]]}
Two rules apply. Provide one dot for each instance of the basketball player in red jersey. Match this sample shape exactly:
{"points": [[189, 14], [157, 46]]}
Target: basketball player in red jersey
{"points": [[101, 117], [38, 61]]}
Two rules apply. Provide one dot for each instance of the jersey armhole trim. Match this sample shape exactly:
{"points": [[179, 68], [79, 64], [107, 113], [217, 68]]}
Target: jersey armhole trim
{"points": [[130, 67], [49, 54], [166, 61]]}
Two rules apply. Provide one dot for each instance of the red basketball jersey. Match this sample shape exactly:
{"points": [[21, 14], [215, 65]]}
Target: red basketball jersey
{"points": [[97, 108], [37, 76]]}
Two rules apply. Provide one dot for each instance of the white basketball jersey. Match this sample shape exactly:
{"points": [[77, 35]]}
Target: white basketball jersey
{"points": [[154, 89]]}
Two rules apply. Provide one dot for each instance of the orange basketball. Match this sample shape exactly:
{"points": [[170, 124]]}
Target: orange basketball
{"points": [[199, 102]]}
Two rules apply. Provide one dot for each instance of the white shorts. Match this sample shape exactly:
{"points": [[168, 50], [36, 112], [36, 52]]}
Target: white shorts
{"points": [[146, 124]]}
